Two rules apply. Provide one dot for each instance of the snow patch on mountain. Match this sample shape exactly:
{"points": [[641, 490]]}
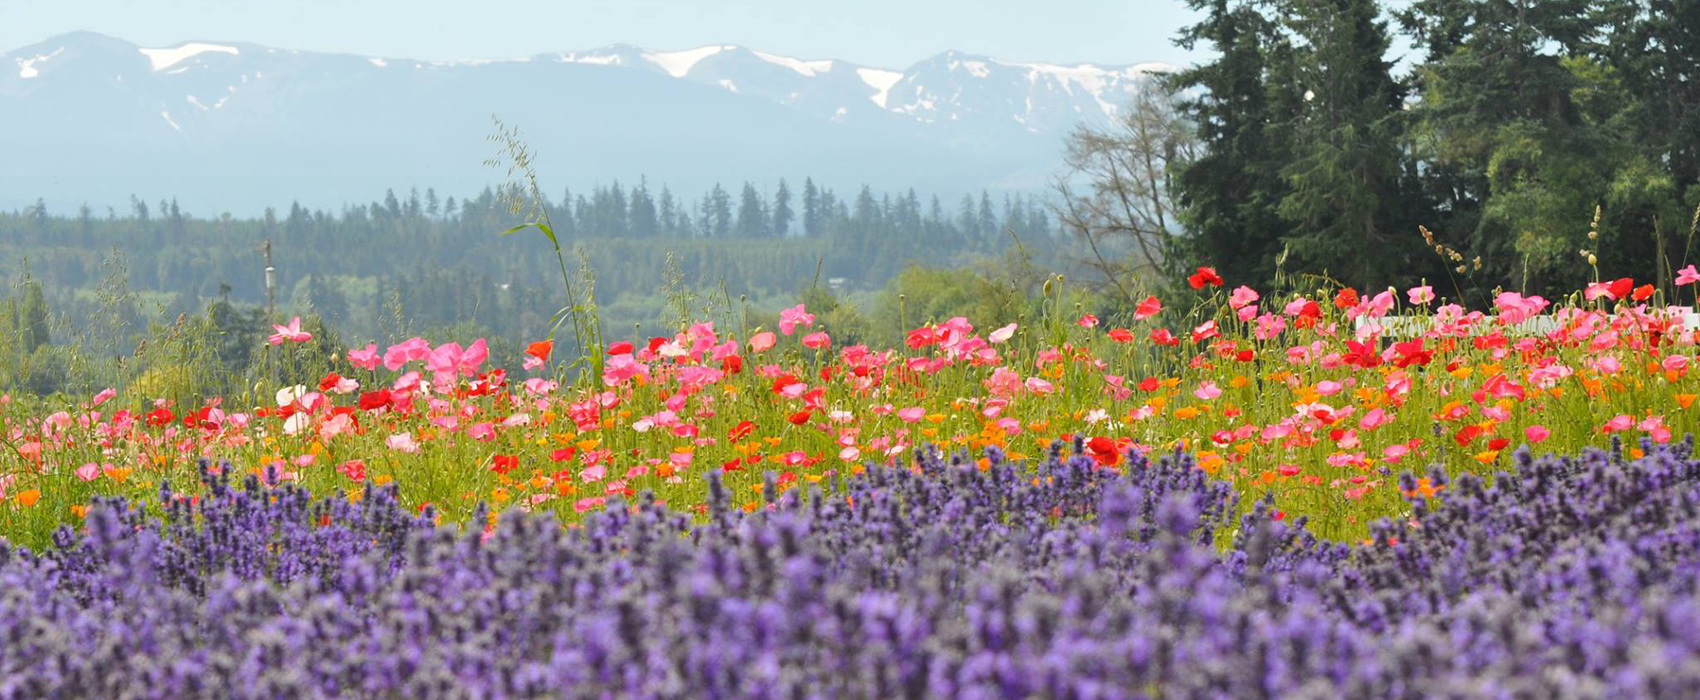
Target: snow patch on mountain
{"points": [[678, 63], [881, 81], [26, 66], [594, 59], [807, 69], [161, 59]]}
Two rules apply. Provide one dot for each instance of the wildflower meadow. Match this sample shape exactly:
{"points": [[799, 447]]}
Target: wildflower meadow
{"points": [[1317, 401], [1308, 495]]}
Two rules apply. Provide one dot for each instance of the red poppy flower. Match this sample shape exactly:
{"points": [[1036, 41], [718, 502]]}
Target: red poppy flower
{"points": [[1148, 308], [1149, 384], [374, 400], [1103, 451], [1121, 335], [1204, 276], [1361, 354], [1411, 352], [1466, 434], [502, 464], [740, 431], [1346, 298], [782, 381], [620, 348], [542, 348], [921, 337], [1642, 292], [1620, 287], [160, 417]]}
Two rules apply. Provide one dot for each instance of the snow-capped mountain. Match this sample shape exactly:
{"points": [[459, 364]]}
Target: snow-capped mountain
{"points": [[231, 125]]}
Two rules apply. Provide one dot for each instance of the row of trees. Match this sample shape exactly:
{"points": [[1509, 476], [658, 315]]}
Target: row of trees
{"points": [[403, 265], [1526, 134]]}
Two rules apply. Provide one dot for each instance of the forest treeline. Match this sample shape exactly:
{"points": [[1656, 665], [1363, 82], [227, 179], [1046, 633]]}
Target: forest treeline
{"points": [[1542, 142], [416, 263]]}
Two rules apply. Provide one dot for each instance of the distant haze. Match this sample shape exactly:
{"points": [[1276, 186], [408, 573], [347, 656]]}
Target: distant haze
{"points": [[883, 33], [234, 126]]}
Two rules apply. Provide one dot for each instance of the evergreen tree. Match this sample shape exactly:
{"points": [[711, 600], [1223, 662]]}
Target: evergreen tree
{"points": [[718, 212], [752, 216], [988, 221], [1229, 194], [1507, 165], [1651, 52], [811, 209], [782, 213], [643, 221], [966, 222], [1343, 177], [668, 224], [867, 214], [38, 214]]}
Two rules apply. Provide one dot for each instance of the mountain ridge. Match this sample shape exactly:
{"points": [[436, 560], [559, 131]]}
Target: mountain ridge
{"points": [[204, 108]]}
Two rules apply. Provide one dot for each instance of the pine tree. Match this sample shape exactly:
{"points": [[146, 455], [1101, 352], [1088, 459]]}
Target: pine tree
{"points": [[811, 209], [643, 221], [1651, 51], [867, 213], [782, 213], [752, 218], [718, 212], [1344, 195], [615, 213], [1229, 195], [966, 222], [1505, 161], [669, 225], [988, 221]]}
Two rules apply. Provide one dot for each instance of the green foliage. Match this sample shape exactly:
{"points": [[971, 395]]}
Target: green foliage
{"points": [[1517, 120], [32, 317], [1241, 102]]}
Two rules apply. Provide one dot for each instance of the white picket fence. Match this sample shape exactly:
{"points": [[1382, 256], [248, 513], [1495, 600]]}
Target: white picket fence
{"points": [[1412, 326]]}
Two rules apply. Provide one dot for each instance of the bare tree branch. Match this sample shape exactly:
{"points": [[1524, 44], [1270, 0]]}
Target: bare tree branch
{"points": [[1115, 196]]}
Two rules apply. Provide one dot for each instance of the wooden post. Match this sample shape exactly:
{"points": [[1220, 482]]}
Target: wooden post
{"points": [[271, 281]]}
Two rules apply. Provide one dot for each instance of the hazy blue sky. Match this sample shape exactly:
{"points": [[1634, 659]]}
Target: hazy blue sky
{"points": [[887, 33]]}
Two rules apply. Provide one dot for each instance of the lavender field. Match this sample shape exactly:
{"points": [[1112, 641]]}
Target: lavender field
{"points": [[1573, 577]]}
